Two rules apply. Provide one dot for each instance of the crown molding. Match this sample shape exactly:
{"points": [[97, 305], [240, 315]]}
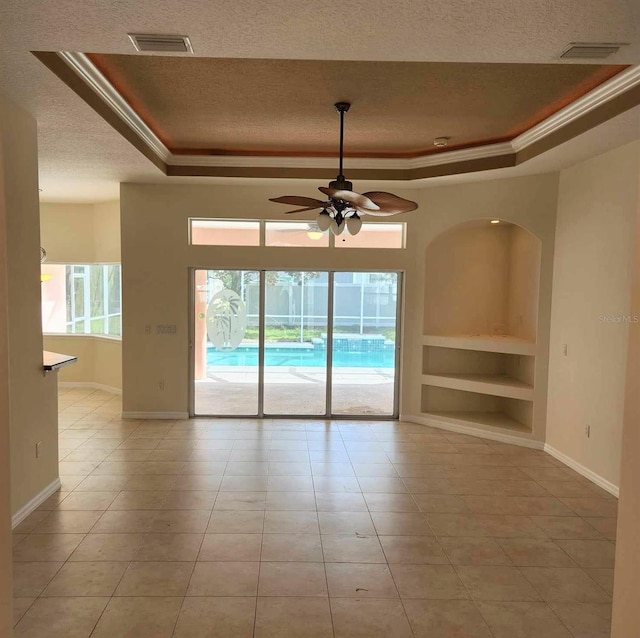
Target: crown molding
{"points": [[82, 66], [617, 85], [446, 157]]}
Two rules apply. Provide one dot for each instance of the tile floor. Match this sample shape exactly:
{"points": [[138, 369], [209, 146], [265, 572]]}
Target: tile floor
{"points": [[240, 528]]}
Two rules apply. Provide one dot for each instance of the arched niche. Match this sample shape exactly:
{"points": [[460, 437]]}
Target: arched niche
{"points": [[480, 325], [482, 279]]}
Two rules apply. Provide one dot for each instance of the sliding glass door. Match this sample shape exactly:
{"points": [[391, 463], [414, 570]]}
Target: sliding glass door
{"points": [[295, 353], [363, 363], [301, 343], [225, 342]]}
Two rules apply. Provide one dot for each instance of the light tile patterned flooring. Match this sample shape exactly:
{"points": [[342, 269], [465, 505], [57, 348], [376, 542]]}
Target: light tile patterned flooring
{"points": [[240, 528]]}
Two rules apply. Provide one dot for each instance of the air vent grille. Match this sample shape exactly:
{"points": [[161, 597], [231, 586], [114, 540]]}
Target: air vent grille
{"points": [[158, 43], [591, 50]]}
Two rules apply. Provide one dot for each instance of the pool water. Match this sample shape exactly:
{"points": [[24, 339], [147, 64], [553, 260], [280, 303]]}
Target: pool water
{"points": [[305, 355]]}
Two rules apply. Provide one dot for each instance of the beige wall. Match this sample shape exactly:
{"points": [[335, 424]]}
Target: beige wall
{"points": [[626, 612], [524, 281], [99, 359], [84, 234], [6, 607], [62, 244], [482, 278], [32, 396], [106, 232], [156, 259], [81, 233], [467, 281], [592, 279]]}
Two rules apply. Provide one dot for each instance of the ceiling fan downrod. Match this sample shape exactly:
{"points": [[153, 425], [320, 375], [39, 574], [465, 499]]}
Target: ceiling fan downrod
{"points": [[343, 207], [341, 183]]}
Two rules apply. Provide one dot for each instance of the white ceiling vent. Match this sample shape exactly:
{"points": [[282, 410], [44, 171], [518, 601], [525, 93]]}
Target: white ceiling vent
{"points": [[591, 50], [158, 43]]}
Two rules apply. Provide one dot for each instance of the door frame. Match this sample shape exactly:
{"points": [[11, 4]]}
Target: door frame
{"points": [[329, 362]]}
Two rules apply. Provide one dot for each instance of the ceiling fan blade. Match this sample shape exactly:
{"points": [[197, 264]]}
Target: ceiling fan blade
{"points": [[390, 204], [296, 200], [302, 210], [359, 201]]}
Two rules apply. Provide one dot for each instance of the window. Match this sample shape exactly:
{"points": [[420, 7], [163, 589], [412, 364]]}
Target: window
{"points": [[300, 234], [224, 232], [374, 235], [81, 299]]}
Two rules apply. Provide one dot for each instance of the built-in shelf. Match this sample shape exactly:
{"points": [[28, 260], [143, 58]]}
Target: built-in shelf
{"points": [[499, 385], [480, 328], [487, 343], [488, 420]]}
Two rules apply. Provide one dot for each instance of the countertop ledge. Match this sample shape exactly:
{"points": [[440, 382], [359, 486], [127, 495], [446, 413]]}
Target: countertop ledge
{"points": [[55, 360]]}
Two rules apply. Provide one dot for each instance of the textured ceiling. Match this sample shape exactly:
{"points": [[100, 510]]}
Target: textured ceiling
{"points": [[81, 158], [221, 106]]}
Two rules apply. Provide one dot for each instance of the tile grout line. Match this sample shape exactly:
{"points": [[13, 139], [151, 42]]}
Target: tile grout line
{"points": [[100, 427], [471, 598], [377, 535]]}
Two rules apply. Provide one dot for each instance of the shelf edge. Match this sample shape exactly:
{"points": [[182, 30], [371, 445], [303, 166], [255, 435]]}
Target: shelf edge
{"points": [[485, 432], [482, 344], [479, 386]]}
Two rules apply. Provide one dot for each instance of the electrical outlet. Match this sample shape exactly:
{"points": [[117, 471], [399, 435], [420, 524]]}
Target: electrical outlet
{"points": [[161, 384], [38, 449], [587, 430], [565, 349]]}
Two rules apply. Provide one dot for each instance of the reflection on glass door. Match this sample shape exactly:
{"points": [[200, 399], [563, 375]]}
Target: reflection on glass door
{"points": [[295, 343], [226, 342], [363, 361]]}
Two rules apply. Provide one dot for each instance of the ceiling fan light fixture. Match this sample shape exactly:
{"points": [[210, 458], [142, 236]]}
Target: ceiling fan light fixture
{"points": [[324, 221], [337, 227], [354, 224], [342, 201]]}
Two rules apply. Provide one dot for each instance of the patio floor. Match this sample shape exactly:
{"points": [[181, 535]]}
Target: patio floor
{"points": [[296, 390]]}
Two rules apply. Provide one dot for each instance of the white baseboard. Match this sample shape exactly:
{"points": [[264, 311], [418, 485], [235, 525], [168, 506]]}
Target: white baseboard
{"points": [[608, 486], [174, 416], [514, 439], [35, 503], [89, 384], [501, 437]]}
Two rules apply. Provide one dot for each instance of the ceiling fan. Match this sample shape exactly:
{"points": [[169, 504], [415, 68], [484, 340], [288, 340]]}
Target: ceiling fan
{"points": [[344, 207]]}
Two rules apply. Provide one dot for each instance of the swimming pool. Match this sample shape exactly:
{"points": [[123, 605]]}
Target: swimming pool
{"points": [[347, 353]]}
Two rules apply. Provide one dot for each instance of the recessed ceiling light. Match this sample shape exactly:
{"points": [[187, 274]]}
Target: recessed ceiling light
{"points": [[495, 221], [441, 141], [161, 43], [591, 50]]}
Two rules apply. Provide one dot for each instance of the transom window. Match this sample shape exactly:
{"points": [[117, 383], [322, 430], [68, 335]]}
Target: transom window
{"points": [[292, 234]]}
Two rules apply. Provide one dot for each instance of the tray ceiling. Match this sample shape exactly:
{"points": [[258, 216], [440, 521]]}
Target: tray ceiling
{"points": [[284, 107], [198, 116]]}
